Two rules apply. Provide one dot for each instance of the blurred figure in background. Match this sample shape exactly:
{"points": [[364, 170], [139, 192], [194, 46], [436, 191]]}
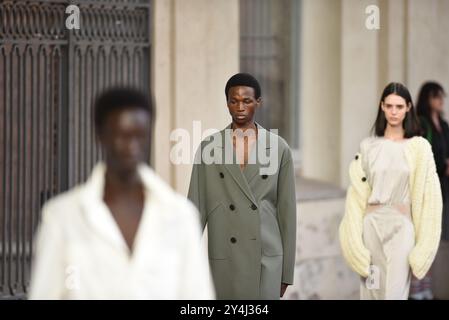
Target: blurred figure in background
{"points": [[124, 234], [436, 131]]}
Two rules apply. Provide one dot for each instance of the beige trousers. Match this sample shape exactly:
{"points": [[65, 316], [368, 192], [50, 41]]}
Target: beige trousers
{"points": [[388, 233]]}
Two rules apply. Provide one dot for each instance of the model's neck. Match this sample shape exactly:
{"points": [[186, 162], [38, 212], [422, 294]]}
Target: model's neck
{"points": [[394, 133], [435, 116], [123, 180], [246, 126]]}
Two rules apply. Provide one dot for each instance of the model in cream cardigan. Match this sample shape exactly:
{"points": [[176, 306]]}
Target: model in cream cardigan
{"points": [[396, 122]]}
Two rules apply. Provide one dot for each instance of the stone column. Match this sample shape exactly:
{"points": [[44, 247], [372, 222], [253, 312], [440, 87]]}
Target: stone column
{"points": [[195, 51]]}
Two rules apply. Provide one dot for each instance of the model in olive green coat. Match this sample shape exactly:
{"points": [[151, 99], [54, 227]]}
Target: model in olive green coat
{"points": [[251, 218]]}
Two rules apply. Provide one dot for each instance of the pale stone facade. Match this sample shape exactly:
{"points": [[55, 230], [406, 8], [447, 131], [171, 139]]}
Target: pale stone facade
{"points": [[344, 66]]}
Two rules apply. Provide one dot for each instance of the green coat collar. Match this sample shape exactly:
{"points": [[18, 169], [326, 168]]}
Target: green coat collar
{"points": [[252, 168]]}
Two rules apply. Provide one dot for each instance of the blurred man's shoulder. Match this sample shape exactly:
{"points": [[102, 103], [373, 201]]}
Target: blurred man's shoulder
{"points": [[175, 203], [63, 204]]}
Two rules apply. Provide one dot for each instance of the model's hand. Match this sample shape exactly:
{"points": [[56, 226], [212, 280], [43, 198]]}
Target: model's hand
{"points": [[283, 288]]}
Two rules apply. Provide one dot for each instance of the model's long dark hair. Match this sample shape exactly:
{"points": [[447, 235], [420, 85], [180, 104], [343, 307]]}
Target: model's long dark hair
{"points": [[428, 90], [410, 123]]}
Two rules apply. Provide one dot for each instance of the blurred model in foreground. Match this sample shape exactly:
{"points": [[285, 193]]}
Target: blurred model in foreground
{"points": [[436, 130], [392, 222], [124, 234]]}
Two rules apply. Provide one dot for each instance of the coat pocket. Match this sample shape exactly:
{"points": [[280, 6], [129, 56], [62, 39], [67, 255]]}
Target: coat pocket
{"points": [[217, 226]]}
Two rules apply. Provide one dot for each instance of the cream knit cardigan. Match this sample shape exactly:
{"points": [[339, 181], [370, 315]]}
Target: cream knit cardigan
{"points": [[426, 211]]}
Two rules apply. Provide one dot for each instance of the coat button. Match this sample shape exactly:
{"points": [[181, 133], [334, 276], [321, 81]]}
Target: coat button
{"points": [[357, 157], [221, 175], [233, 240], [232, 207], [264, 176], [253, 206], [363, 179]]}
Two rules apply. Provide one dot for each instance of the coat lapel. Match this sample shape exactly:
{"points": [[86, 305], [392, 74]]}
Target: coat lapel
{"points": [[99, 216], [96, 212], [237, 175], [251, 169]]}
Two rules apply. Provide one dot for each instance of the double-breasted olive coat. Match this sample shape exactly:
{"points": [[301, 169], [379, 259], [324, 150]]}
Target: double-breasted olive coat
{"points": [[250, 215]]}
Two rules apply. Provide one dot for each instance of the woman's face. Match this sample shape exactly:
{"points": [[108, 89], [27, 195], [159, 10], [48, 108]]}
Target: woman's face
{"points": [[436, 102], [395, 108]]}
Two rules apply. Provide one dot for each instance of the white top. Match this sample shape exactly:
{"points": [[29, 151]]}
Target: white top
{"points": [[81, 253], [387, 170]]}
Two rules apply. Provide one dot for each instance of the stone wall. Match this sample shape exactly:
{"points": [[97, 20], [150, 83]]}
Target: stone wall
{"points": [[320, 271]]}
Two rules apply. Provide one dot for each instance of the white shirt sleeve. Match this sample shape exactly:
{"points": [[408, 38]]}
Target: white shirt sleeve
{"points": [[48, 270], [197, 283]]}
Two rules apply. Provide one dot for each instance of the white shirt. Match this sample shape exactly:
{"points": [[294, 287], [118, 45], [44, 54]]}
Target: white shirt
{"points": [[80, 252]]}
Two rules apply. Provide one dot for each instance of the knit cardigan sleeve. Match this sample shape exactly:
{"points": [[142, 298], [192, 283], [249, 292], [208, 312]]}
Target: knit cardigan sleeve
{"points": [[350, 232], [426, 208]]}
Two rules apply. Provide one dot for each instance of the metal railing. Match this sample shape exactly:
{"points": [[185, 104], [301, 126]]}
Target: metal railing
{"points": [[49, 77]]}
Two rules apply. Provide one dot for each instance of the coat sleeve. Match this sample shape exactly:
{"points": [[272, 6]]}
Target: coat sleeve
{"points": [[351, 228], [286, 208], [428, 221], [48, 274], [197, 188]]}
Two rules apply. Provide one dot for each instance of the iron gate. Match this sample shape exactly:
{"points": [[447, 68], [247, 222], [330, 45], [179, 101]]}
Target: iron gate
{"points": [[49, 76], [268, 49]]}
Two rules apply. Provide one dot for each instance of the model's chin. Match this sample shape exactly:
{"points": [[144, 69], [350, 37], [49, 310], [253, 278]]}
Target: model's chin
{"points": [[241, 120], [395, 123], [127, 166]]}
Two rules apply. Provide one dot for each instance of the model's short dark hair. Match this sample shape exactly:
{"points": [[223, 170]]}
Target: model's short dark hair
{"points": [[119, 98], [243, 79]]}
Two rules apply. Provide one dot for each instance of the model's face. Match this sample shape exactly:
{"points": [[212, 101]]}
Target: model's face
{"points": [[437, 102], [125, 136], [395, 109], [242, 104]]}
